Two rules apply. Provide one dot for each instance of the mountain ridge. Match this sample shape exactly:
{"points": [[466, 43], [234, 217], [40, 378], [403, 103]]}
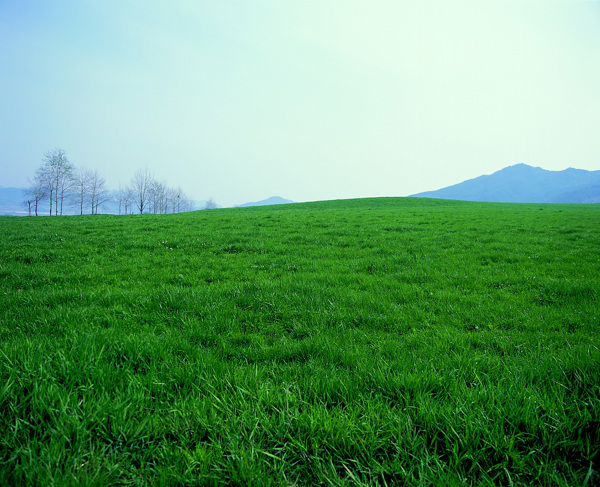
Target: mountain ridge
{"points": [[522, 183], [273, 200]]}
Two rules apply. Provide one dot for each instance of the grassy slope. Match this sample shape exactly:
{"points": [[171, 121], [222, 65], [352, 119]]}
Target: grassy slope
{"points": [[362, 341]]}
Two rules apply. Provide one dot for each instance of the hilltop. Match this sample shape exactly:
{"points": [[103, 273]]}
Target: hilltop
{"points": [[273, 200], [522, 183]]}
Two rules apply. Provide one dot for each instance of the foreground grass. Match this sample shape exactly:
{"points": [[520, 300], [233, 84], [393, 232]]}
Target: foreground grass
{"points": [[366, 342]]}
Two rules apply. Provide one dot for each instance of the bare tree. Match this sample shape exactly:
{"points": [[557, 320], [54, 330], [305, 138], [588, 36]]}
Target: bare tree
{"points": [[81, 187], [28, 202], [56, 172], [43, 179], [34, 194], [184, 203], [158, 197], [99, 194], [187, 205], [123, 198], [140, 187], [128, 200], [169, 197], [174, 198], [177, 199], [210, 204]]}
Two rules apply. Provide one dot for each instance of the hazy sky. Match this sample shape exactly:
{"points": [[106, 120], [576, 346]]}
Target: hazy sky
{"points": [[240, 100]]}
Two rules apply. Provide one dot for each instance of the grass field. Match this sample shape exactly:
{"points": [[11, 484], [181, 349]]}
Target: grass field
{"points": [[391, 341]]}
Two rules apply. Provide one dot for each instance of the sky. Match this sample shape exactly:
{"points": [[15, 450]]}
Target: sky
{"points": [[240, 100]]}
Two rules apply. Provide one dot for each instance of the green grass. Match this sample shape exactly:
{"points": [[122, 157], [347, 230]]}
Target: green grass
{"points": [[360, 342]]}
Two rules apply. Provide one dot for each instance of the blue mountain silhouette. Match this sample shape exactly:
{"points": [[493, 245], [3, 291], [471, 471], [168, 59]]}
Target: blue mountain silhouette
{"points": [[526, 184]]}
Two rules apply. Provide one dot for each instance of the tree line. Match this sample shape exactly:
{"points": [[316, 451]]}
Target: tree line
{"points": [[63, 185]]}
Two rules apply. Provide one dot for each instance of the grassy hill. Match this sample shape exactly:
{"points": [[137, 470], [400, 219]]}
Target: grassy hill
{"points": [[393, 341]]}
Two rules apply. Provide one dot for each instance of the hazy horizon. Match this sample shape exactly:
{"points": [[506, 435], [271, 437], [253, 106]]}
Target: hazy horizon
{"points": [[240, 101]]}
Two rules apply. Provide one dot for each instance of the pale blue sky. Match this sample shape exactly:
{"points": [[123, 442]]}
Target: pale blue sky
{"points": [[240, 100]]}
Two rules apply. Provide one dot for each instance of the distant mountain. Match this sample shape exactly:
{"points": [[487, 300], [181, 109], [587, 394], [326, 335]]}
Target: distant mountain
{"points": [[273, 200], [526, 184], [11, 202]]}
